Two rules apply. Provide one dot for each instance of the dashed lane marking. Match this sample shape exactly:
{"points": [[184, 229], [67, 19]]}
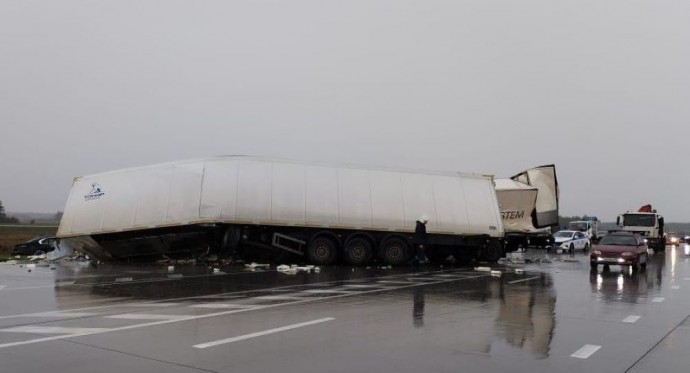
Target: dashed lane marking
{"points": [[62, 314], [146, 316], [585, 351], [275, 297], [164, 304], [223, 305], [327, 291], [524, 280], [262, 333], [658, 299], [631, 319], [52, 330], [675, 287], [361, 286]]}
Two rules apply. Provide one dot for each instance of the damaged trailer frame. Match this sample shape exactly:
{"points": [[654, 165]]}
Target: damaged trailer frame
{"points": [[239, 204], [529, 207]]}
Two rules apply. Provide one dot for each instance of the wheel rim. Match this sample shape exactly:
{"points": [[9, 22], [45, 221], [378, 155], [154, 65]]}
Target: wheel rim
{"points": [[322, 251], [358, 252], [394, 252]]}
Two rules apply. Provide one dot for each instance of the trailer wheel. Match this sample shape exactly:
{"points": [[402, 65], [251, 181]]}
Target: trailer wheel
{"points": [[394, 251], [358, 251], [322, 251], [492, 252]]}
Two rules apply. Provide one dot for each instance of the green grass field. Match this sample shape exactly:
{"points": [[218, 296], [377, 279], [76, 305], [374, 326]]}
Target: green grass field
{"points": [[11, 235]]}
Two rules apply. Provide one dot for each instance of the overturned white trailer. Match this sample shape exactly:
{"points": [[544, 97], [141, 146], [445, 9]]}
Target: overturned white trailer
{"points": [[529, 207], [242, 204]]}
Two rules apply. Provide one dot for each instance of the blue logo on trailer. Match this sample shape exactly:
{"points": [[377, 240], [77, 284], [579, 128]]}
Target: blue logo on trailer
{"points": [[95, 193]]}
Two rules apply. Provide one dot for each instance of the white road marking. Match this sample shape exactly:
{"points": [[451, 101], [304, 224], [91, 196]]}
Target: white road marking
{"points": [[326, 291], [2, 286], [631, 318], [422, 279], [524, 280], [223, 305], [394, 282], [124, 279], [145, 304], [275, 297], [52, 330], [675, 287], [686, 278], [585, 351], [62, 314], [360, 286], [145, 316], [658, 299], [262, 333]]}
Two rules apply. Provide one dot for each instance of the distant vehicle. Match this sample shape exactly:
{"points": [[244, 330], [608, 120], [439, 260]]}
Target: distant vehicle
{"points": [[36, 246], [589, 225], [620, 248], [672, 239], [571, 240]]}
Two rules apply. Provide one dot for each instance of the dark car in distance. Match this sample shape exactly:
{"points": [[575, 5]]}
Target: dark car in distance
{"points": [[36, 246], [620, 248]]}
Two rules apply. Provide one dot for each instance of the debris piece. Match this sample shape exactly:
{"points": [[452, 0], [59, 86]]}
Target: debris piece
{"points": [[256, 265], [519, 271], [317, 269], [171, 268]]}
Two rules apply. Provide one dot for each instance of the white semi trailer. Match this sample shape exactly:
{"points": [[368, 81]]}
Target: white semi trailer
{"points": [[245, 204]]}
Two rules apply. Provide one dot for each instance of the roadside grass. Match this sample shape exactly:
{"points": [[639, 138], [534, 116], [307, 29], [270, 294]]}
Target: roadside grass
{"points": [[15, 234]]}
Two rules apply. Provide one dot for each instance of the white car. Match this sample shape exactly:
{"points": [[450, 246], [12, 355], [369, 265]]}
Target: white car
{"points": [[571, 240]]}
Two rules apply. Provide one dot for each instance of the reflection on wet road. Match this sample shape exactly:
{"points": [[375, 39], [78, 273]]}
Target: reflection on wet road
{"points": [[556, 315]]}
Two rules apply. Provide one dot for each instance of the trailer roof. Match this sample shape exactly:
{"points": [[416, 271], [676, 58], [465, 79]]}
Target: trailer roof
{"points": [[279, 160]]}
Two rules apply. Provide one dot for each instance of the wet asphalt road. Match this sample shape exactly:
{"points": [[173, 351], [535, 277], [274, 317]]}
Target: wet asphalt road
{"points": [[556, 316]]}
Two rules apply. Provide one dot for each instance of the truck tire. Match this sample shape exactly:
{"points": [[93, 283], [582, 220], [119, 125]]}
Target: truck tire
{"points": [[322, 251], [395, 251], [492, 252], [358, 251]]}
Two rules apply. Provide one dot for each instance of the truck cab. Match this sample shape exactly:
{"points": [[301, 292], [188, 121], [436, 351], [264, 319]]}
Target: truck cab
{"points": [[649, 225], [588, 227]]}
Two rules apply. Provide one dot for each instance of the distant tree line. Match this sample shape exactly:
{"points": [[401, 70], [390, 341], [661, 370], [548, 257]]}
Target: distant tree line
{"points": [[4, 219]]}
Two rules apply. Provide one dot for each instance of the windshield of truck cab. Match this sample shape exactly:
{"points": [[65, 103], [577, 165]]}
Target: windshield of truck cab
{"points": [[618, 240], [639, 220], [578, 226]]}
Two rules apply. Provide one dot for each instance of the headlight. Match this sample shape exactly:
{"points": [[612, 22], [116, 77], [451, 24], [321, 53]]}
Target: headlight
{"points": [[646, 240], [596, 252], [674, 239], [628, 253]]}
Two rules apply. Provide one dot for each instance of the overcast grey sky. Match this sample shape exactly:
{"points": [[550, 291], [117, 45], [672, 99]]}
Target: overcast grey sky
{"points": [[601, 88]]}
